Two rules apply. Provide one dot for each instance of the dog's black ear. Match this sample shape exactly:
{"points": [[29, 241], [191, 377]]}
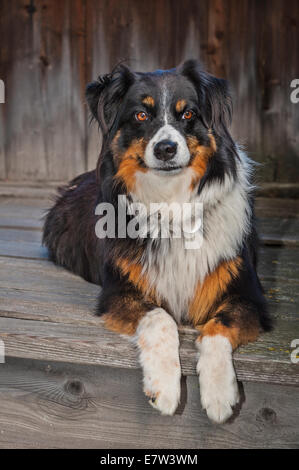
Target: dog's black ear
{"points": [[213, 94], [93, 92], [105, 95]]}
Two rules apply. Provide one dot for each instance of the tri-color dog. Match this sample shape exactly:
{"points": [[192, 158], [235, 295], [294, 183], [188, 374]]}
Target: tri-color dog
{"points": [[166, 140]]}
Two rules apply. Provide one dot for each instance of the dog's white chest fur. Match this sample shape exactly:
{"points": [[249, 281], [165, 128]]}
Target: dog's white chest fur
{"points": [[174, 270]]}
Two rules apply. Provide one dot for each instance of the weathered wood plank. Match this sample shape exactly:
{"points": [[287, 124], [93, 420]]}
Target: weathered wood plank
{"points": [[269, 207], [29, 189], [42, 65], [279, 240], [22, 243], [267, 123], [267, 360], [17, 204], [52, 405], [23, 213], [279, 263], [279, 190], [27, 250], [19, 235], [62, 307], [278, 221]]}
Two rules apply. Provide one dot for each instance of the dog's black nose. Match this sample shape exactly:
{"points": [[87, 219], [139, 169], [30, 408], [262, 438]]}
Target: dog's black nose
{"points": [[165, 150]]}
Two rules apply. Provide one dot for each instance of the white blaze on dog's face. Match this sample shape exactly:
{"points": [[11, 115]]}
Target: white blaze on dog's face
{"points": [[167, 151]]}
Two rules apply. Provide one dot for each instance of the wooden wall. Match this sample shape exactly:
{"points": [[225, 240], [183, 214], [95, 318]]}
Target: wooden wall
{"points": [[49, 50]]}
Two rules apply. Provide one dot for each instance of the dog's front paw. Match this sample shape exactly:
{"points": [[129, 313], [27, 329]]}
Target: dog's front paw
{"points": [[164, 389], [158, 341], [218, 384]]}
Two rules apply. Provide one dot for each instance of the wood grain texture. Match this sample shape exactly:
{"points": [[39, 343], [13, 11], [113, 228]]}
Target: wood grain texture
{"points": [[49, 53], [29, 189], [23, 213], [42, 55], [268, 360], [279, 190], [52, 405], [269, 207]]}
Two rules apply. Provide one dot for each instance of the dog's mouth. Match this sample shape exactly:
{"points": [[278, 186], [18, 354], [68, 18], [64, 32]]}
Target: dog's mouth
{"points": [[166, 169], [169, 170]]}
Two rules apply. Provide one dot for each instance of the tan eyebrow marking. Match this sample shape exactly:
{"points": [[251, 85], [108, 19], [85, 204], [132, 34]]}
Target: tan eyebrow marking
{"points": [[149, 100], [180, 105]]}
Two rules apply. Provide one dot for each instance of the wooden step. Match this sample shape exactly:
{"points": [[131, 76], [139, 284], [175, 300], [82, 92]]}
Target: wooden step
{"points": [[49, 312], [69, 382]]}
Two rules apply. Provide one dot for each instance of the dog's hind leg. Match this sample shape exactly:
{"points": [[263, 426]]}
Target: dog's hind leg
{"points": [[69, 229]]}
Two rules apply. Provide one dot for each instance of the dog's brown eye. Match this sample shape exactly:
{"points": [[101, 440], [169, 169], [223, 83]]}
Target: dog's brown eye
{"points": [[187, 115], [141, 116]]}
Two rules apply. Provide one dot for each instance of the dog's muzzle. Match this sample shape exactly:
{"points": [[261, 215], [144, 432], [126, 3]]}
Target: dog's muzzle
{"points": [[167, 150]]}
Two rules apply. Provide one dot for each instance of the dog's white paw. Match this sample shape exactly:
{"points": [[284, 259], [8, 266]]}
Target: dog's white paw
{"points": [[217, 378], [164, 390], [158, 342]]}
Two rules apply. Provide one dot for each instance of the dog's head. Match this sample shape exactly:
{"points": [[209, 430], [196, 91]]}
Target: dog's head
{"points": [[162, 123]]}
